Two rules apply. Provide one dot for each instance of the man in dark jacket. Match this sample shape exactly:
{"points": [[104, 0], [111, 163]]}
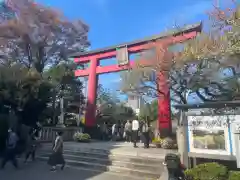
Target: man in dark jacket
{"points": [[10, 153], [146, 134]]}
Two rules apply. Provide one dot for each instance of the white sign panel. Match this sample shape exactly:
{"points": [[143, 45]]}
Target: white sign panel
{"points": [[209, 134]]}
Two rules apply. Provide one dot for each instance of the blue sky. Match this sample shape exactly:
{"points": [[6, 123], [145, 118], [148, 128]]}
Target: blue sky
{"points": [[115, 21]]}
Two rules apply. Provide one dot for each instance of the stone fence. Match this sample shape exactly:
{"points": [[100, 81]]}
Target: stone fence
{"points": [[48, 134]]}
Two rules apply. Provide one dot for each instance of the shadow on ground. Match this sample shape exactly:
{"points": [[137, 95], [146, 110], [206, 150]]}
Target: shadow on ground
{"points": [[40, 171], [93, 161]]}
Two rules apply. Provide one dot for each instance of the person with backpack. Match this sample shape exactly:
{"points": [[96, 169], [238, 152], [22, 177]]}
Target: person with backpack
{"points": [[10, 153]]}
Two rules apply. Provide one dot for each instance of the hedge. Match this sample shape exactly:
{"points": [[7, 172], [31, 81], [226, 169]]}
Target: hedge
{"points": [[211, 171], [234, 175], [207, 171]]}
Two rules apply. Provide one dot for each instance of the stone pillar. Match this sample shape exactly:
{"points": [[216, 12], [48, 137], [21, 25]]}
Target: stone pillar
{"points": [[61, 118], [182, 140]]}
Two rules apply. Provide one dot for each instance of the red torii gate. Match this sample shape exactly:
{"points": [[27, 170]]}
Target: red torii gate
{"points": [[164, 117]]}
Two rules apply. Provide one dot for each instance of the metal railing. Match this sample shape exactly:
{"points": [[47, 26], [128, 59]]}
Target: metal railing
{"points": [[48, 134]]}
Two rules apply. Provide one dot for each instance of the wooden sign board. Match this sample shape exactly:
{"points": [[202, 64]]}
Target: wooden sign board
{"points": [[122, 55]]}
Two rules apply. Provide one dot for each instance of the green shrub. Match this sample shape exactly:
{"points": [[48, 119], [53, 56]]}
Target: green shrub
{"points": [[234, 175], [207, 171], [168, 143], [81, 137], [86, 136]]}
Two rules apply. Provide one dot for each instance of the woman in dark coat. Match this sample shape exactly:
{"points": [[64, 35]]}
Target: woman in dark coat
{"points": [[56, 157]]}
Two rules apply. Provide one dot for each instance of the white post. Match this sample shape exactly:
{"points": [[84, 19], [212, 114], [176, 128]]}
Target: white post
{"points": [[235, 127], [61, 119], [236, 141]]}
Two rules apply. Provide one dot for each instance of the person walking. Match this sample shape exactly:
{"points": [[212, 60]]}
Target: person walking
{"points": [[128, 131], [104, 131], [146, 134], [56, 158], [135, 129], [10, 153], [151, 134], [114, 131], [140, 134], [121, 131], [118, 134], [31, 145]]}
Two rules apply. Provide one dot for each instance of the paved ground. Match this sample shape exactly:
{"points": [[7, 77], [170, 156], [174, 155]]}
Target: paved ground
{"points": [[40, 171], [117, 148]]}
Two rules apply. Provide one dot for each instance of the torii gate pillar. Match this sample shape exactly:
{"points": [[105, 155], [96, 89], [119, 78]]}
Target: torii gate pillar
{"points": [[164, 116]]}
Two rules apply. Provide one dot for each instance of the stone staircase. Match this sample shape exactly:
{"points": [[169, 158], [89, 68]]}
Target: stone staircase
{"points": [[125, 164]]}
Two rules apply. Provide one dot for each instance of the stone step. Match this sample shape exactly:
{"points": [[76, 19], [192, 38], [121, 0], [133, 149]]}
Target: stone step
{"points": [[127, 163], [113, 157], [75, 148], [143, 174], [145, 154]]}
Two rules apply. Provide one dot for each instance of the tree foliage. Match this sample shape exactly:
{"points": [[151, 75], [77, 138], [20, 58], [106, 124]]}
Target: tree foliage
{"points": [[206, 65], [64, 84], [216, 56], [34, 44], [149, 111], [39, 36], [24, 91], [147, 77], [110, 108]]}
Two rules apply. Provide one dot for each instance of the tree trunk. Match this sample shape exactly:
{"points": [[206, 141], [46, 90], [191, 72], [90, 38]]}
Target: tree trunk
{"points": [[29, 54]]}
